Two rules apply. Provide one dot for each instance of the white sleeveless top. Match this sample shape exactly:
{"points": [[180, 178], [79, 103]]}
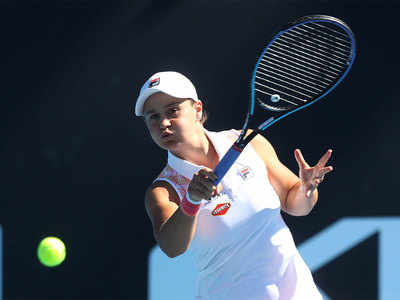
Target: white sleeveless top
{"points": [[242, 247]]}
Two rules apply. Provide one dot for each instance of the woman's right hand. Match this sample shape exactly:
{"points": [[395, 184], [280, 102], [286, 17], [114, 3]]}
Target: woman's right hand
{"points": [[202, 185]]}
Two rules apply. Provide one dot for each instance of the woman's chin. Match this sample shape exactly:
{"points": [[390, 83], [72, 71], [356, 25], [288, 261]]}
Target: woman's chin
{"points": [[169, 145]]}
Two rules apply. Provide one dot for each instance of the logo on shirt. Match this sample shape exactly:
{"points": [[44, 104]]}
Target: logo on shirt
{"points": [[221, 209], [246, 173], [154, 82]]}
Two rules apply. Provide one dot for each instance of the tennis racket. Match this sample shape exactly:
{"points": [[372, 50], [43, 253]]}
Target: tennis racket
{"points": [[302, 64]]}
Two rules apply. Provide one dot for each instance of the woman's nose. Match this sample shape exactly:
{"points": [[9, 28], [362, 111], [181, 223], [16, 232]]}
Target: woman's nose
{"points": [[165, 123]]}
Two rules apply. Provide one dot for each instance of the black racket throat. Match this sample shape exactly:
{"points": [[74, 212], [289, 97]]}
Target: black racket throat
{"points": [[245, 138]]}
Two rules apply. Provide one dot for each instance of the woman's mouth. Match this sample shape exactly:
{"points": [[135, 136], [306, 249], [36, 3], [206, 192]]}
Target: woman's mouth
{"points": [[165, 135]]}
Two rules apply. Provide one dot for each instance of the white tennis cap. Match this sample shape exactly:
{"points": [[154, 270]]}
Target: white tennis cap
{"points": [[171, 83]]}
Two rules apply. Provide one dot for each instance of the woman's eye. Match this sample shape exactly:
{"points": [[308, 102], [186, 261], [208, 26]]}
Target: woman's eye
{"points": [[173, 110], [153, 117]]}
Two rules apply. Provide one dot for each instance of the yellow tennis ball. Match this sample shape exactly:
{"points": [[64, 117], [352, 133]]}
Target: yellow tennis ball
{"points": [[51, 251]]}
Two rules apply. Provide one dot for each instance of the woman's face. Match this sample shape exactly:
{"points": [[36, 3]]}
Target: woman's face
{"points": [[171, 121]]}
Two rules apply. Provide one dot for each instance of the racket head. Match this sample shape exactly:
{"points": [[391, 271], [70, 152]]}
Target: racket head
{"points": [[303, 63]]}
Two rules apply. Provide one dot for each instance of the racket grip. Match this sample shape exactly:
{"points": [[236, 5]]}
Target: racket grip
{"points": [[226, 163]]}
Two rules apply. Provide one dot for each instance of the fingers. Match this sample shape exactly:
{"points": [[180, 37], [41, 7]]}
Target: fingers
{"points": [[321, 163], [324, 159], [318, 179], [219, 189], [300, 159], [202, 185], [318, 171], [321, 174], [208, 174], [321, 169], [324, 171]]}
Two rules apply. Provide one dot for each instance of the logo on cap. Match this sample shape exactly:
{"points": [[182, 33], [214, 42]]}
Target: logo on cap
{"points": [[154, 82]]}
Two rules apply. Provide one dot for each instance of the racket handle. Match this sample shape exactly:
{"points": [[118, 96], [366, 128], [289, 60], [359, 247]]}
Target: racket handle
{"points": [[226, 162]]}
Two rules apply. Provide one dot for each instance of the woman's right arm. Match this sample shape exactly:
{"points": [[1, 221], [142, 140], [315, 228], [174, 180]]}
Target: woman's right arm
{"points": [[172, 228]]}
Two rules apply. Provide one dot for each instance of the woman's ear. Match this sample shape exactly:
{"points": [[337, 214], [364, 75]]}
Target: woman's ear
{"points": [[198, 105]]}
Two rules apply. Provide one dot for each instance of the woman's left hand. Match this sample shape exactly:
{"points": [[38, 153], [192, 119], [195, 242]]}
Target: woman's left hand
{"points": [[311, 177]]}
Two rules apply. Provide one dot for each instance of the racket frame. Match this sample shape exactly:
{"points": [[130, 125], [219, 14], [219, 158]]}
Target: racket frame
{"points": [[243, 139]]}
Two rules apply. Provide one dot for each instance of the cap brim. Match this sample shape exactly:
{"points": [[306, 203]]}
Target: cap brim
{"points": [[142, 99], [150, 91]]}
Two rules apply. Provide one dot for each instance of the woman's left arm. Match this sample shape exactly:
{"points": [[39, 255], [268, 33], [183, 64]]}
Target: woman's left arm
{"points": [[298, 194]]}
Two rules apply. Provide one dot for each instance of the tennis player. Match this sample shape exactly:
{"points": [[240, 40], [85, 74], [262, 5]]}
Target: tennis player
{"points": [[242, 246]]}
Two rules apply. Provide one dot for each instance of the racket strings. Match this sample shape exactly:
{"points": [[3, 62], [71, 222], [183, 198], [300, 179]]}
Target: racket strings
{"points": [[302, 61], [320, 55], [334, 34], [301, 64], [280, 69], [334, 31], [277, 79], [321, 39], [305, 56], [291, 67], [296, 73], [288, 78], [308, 39], [321, 50], [283, 86]]}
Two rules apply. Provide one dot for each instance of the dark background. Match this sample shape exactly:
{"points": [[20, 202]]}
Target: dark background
{"points": [[75, 163]]}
